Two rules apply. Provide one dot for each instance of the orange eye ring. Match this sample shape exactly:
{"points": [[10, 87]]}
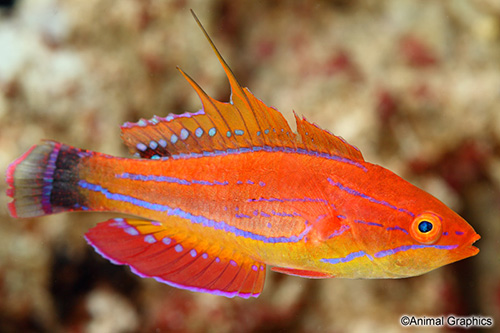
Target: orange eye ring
{"points": [[426, 228]]}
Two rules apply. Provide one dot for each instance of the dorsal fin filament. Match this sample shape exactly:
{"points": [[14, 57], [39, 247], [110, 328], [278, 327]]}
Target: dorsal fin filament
{"points": [[236, 89]]}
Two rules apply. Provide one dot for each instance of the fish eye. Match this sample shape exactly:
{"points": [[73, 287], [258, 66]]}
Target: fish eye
{"points": [[426, 228]]}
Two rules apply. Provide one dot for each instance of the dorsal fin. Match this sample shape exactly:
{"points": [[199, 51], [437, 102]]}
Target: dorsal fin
{"points": [[243, 122], [317, 139]]}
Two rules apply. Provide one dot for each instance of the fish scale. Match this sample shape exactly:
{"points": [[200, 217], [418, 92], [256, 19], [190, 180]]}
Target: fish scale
{"points": [[220, 194]]}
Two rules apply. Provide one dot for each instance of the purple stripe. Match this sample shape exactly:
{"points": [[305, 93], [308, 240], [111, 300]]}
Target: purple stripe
{"points": [[206, 222], [263, 214], [403, 248], [285, 214], [166, 179], [48, 178], [271, 150], [377, 225], [397, 228], [367, 197], [369, 223], [384, 253], [243, 215], [347, 258], [343, 228], [305, 199]]}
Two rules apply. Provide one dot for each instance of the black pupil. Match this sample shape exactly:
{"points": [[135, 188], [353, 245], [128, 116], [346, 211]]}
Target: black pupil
{"points": [[425, 226]]}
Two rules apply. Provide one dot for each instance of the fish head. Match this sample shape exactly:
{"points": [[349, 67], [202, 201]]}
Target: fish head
{"points": [[419, 233], [434, 239], [389, 228]]}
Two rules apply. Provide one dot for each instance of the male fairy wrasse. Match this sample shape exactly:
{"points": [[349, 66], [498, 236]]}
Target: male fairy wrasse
{"points": [[221, 193]]}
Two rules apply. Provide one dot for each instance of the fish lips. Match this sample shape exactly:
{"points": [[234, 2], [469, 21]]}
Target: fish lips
{"points": [[468, 249]]}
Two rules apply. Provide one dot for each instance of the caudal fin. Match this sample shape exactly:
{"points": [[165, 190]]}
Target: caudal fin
{"points": [[43, 180]]}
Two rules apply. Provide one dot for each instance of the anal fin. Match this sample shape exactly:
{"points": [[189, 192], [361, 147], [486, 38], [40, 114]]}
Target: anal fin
{"points": [[302, 273], [186, 262]]}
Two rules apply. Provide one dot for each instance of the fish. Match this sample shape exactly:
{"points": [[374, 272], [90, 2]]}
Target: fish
{"points": [[213, 197]]}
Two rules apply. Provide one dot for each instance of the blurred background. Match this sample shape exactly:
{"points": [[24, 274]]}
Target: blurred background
{"points": [[414, 85]]}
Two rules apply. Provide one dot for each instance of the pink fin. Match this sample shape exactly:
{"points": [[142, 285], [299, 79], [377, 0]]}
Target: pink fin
{"points": [[151, 250], [302, 273], [244, 122]]}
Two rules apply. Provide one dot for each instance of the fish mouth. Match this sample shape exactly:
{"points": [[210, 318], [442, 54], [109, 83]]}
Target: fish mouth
{"points": [[472, 250]]}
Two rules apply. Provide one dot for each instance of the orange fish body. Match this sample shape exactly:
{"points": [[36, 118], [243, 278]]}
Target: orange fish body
{"points": [[223, 192]]}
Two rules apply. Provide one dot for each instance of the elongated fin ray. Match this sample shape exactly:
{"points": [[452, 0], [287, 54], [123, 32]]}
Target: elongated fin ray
{"points": [[153, 249], [237, 92], [242, 123]]}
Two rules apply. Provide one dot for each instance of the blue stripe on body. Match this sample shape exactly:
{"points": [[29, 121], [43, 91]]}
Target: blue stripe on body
{"points": [[397, 228], [384, 253], [343, 228], [264, 214], [206, 222], [335, 233], [367, 197], [375, 224], [166, 179], [305, 199], [271, 150], [284, 214], [403, 248], [369, 223], [243, 215], [180, 181], [351, 256]]}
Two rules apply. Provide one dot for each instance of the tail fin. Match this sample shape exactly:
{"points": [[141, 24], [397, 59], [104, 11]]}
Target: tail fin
{"points": [[44, 180]]}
